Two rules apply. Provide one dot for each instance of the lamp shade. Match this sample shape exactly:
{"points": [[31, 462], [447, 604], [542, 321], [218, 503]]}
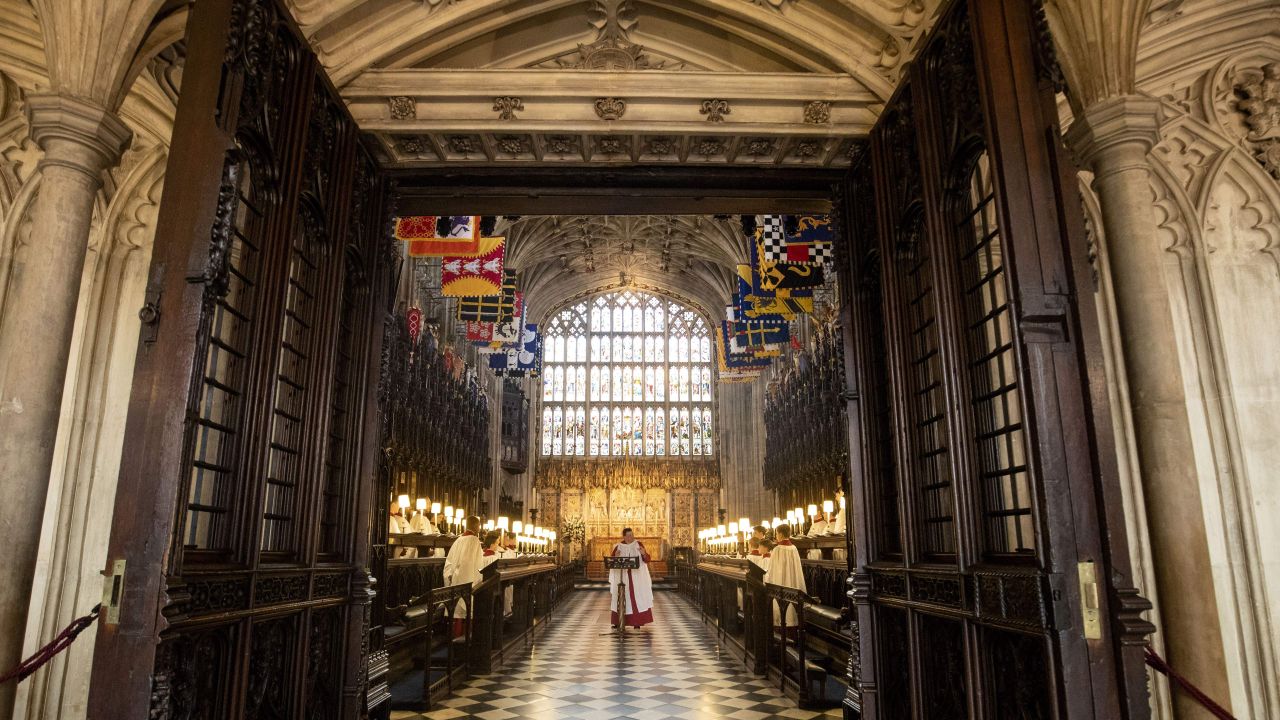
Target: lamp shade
{"points": [[720, 529], [459, 513], [766, 524], [828, 506], [448, 511], [799, 512], [733, 527], [744, 524], [503, 523], [435, 508], [813, 510], [403, 501], [777, 521], [421, 504], [517, 527]]}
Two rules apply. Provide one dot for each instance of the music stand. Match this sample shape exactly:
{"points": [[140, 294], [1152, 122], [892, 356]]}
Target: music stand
{"points": [[622, 563]]}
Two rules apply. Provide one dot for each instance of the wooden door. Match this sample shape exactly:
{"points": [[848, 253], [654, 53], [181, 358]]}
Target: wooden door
{"points": [[241, 525], [990, 576]]}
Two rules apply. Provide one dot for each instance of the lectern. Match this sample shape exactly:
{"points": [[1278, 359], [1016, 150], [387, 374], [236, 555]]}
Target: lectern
{"points": [[622, 563]]}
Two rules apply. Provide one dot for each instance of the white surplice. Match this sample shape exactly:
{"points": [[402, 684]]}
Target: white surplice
{"points": [[400, 526], [786, 570], [508, 593], [462, 565], [639, 587], [421, 524]]}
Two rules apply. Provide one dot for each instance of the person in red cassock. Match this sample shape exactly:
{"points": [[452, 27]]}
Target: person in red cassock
{"points": [[639, 586]]}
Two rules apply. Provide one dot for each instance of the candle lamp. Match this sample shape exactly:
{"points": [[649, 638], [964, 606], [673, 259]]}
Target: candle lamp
{"points": [[503, 523], [403, 502], [812, 513], [421, 504], [828, 507], [448, 517]]}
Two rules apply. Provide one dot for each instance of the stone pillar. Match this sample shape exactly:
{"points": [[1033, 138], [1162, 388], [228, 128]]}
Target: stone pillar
{"points": [[1112, 138], [80, 141]]}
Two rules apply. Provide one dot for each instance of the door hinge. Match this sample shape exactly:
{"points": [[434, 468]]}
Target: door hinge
{"points": [[112, 593], [1090, 607]]}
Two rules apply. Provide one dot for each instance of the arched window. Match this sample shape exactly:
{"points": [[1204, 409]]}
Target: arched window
{"points": [[627, 373]]}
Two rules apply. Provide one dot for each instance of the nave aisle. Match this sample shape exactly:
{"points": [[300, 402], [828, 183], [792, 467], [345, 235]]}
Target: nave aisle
{"points": [[673, 669]]}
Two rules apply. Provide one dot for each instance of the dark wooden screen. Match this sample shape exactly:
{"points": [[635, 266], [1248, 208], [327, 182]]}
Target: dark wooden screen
{"points": [[244, 499], [979, 453]]}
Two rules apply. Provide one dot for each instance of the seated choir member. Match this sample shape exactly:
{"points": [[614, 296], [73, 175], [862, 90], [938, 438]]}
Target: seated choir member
{"points": [[842, 513], [756, 554], [819, 527], [492, 548], [756, 557], [400, 526], [639, 597], [421, 523], [507, 549], [462, 565], [785, 569]]}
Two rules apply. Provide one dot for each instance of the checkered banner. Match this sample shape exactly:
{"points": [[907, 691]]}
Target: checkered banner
{"points": [[793, 239]]}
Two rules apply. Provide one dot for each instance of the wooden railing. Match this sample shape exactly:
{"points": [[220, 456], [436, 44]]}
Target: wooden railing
{"points": [[514, 597], [734, 599]]}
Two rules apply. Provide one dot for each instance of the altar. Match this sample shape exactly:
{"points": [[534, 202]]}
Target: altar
{"points": [[662, 500], [598, 548]]}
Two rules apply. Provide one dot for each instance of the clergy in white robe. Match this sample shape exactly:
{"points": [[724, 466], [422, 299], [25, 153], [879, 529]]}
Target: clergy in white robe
{"points": [[639, 591], [785, 569], [462, 565]]}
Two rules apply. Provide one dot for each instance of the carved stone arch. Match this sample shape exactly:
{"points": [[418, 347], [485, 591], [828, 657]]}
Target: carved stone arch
{"points": [[139, 189], [1175, 210], [1236, 166], [1239, 275]]}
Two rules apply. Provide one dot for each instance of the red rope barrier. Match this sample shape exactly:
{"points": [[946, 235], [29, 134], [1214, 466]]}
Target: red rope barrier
{"points": [[55, 646], [1161, 666]]}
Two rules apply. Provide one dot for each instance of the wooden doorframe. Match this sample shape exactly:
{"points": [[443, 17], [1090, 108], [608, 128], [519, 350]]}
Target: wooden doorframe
{"points": [[143, 528]]}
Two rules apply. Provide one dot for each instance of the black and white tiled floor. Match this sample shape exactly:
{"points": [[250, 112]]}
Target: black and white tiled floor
{"points": [[671, 669]]}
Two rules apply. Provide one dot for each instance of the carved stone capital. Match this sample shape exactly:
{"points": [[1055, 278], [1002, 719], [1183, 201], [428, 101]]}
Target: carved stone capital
{"points": [[76, 134], [1116, 134]]}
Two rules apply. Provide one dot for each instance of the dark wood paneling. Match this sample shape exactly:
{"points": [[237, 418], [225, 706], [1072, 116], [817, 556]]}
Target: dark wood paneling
{"points": [[242, 509]]}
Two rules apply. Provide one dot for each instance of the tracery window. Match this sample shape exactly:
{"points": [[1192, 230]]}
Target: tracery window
{"points": [[627, 373]]}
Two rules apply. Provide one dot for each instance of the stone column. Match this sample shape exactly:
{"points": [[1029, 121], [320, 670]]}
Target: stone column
{"points": [[1112, 138], [80, 141]]}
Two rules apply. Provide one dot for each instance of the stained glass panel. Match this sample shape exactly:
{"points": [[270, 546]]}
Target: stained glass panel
{"points": [[627, 373]]}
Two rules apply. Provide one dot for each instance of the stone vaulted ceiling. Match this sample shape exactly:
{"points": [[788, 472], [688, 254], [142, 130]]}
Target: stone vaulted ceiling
{"points": [[559, 257], [498, 82]]}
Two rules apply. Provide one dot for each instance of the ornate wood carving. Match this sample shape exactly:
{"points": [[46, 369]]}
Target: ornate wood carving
{"points": [[970, 365], [274, 435]]}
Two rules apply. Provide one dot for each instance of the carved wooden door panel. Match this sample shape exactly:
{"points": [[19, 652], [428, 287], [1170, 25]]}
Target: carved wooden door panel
{"points": [[981, 467], [241, 529]]}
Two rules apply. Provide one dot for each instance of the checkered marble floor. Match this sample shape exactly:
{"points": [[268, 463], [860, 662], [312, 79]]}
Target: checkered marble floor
{"points": [[671, 669]]}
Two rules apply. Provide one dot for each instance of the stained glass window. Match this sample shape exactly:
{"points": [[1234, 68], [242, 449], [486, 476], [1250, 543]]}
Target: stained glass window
{"points": [[627, 373]]}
